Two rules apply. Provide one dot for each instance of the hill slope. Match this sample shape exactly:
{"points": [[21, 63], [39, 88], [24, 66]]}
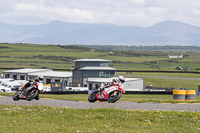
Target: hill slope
{"points": [[58, 32]]}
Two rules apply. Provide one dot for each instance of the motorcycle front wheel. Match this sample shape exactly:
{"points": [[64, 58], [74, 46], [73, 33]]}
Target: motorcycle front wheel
{"points": [[92, 97], [114, 96], [16, 97]]}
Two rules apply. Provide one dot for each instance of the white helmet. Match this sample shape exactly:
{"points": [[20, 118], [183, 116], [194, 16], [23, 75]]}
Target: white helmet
{"points": [[122, 79], [40, 77]]}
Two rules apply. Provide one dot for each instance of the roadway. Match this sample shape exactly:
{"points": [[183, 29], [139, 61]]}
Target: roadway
{"points": [[118, 105]]}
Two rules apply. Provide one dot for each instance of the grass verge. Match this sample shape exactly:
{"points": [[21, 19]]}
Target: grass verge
{"points": [[43, 119]]}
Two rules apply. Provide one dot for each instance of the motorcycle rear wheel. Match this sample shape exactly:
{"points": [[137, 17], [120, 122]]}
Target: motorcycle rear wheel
{"points": [[114, 97], [92, 97], [32, 95]]}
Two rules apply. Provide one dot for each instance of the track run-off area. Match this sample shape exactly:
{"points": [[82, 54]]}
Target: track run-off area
{"points": [[5, 100]]}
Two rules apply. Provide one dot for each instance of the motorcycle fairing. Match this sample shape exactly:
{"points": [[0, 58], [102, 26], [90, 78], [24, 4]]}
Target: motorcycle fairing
{"points": [[105, 94], [111, 89], [99, 97]]}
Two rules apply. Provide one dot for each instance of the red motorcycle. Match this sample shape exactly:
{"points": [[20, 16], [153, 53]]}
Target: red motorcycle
{"points": [[110, 94], [28, 92]]}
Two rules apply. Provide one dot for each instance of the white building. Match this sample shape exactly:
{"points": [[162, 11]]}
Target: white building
{"points": [[49, 75], [22, 74], [53, 76], [87, 73], [131, 84], [175, 56]]}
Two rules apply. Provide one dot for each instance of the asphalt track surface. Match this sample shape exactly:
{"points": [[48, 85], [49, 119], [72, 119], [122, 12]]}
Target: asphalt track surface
{"points": [[117, 105]]}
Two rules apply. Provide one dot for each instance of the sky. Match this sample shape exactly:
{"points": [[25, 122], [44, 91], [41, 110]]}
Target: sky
{"points": [[119, 12]]}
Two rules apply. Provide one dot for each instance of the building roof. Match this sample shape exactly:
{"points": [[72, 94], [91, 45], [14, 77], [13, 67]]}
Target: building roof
{"points": [[53, 74], [97, 68], [27, 70], [92, 60], [100, 80]]}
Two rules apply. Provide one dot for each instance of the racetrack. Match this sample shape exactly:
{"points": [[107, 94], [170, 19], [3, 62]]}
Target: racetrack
{"points": [[117, 105]]}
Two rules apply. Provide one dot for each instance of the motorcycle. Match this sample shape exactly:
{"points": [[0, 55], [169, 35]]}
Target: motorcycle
{"points": [[28, 92], [110, 94]]}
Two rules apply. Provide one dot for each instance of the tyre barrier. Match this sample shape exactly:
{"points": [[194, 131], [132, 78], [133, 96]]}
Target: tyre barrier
{"points": [[184, 95], [179, 94], [190, 95]]}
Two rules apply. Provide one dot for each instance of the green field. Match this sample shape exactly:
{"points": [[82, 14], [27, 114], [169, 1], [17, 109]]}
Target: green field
{"points": [[184, 75], [165, 82], [43, 119], [61, 57], [57, 56]]}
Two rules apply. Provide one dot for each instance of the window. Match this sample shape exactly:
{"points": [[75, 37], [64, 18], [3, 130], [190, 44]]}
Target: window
{"points": [[66, 83], [48, 81], [105, 74], [101, 74], [97, 86], [7, 75], [57, 80], [14, 77], [90, 86], [32, 77], [56, 85], [22, 77], [103, 64]]}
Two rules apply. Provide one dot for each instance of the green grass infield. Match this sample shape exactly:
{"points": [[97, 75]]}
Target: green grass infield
{"points": [[44, 119]]}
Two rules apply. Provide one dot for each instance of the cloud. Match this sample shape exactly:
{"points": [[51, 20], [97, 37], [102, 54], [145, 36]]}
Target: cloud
{"points": [[55, 13], [119, 12], [138, 2]]}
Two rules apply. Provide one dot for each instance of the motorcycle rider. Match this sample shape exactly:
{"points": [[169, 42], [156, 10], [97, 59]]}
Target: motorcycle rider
{"points": [[119, 82], [115, 82], [37, 82]]}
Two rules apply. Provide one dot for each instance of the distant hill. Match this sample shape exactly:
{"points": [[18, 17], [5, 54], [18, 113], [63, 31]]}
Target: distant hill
{"points": [[58, 32]]}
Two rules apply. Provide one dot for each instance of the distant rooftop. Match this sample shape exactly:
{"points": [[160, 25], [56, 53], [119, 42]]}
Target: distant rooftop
{"points": [[27, 70], [92, 60], [97, 68], [53, 74], [100, 80]]}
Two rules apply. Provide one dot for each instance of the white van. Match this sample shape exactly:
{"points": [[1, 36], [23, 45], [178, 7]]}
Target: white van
{"points": [[6, 80], [10, 88], [2, 81]]}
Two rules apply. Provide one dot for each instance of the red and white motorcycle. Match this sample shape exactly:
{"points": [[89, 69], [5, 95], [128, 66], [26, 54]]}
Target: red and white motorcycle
{"points": [[110, 94]]}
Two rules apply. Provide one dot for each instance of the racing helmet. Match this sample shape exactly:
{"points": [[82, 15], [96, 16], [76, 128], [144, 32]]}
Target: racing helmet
{"points": [[40, 77], [122, 79]]}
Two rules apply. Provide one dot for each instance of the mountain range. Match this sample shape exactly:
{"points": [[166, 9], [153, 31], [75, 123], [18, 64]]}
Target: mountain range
{"points": [[59, 32]]}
